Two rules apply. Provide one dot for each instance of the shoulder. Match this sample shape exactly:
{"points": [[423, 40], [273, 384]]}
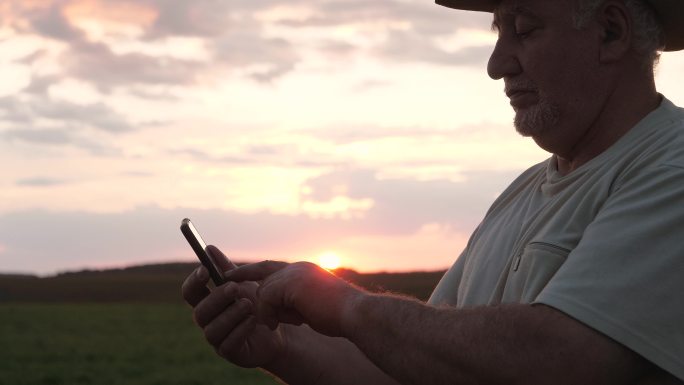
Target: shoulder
{"points": [[531, 178], [656, 145], [669, 134]]}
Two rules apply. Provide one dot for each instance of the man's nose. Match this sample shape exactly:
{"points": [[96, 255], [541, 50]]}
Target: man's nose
{"points": [[502, 62]]}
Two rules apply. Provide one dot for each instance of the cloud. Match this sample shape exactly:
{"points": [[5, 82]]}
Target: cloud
{"points": [[282, 156], [411, 29], [125, 57], [335, 48], [236, 41], [40, 182], [28, 110], [40, 84], [44, 136], [190, 18], [43, 241], [246, 48], [421, 16], [93, 130], [403, 46], [58, 137], [98, 64], [233, 36], [341, 135], [203, 156], [138, 174], [50, 22], [402, 206], [238, 38], [369, 84]]}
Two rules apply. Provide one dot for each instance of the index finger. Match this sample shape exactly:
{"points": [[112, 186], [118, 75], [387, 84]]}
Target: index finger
{"points": [[194, 288], [255, 271]]}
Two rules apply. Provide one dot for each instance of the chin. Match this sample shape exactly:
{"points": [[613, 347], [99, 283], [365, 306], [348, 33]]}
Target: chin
{"points": [[536, 120]]}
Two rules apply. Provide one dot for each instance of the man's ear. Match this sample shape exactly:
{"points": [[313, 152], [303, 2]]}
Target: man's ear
{"points": [[616, 27]]}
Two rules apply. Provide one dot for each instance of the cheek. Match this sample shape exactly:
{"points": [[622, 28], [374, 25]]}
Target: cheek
{"points": [[578, 71], [561, 68], [563, 78]]}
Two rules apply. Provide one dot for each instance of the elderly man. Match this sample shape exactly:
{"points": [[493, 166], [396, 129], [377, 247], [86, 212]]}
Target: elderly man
{"points": [[576, 273]]}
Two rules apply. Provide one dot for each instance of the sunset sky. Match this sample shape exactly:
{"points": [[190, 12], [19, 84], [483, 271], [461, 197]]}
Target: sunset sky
{"points": [[285, 129]]}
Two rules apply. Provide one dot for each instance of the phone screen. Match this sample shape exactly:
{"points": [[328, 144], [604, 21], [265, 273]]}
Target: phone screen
{"points": [[195, 239]]}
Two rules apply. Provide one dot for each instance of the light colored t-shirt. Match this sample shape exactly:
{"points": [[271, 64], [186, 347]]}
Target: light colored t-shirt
{"points": [[604, 244]]}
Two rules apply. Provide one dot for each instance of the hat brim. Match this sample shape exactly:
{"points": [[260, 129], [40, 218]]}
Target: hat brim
{"points": [[670, 13], [470, 5]]}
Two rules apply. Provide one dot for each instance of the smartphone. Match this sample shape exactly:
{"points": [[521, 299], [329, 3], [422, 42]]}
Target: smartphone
{"points": [[195, 240]]}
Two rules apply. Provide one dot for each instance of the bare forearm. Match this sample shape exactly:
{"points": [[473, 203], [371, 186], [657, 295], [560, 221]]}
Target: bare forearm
{"points": [[418, 344], [516, 344], [314, 359]]}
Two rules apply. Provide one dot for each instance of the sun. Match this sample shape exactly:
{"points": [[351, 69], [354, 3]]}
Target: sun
{"points": [[329, 260]]}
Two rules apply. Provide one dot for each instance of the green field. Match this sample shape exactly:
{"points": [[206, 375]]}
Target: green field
{"points": [[127, 326], [110, 344]]}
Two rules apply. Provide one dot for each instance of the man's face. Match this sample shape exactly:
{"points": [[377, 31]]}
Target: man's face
{"points": [[548, 66]]}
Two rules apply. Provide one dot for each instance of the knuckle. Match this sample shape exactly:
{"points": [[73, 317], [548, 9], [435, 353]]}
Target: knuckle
{"points": [[226, 348], [268, 263], [186, 288], [185, 295], [305, 266], [245, 305], [271, 264], [215, 335], [210, 335], [261, 290], [229, 290], [199, 320], [214, 331], [221, 351], [224, 323], [202, 318]]}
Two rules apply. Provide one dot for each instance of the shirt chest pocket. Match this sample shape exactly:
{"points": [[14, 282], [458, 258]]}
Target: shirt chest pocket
{"points": [[532, 270]]}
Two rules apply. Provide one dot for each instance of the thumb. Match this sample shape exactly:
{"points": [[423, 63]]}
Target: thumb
{"points": [[220, 259]]}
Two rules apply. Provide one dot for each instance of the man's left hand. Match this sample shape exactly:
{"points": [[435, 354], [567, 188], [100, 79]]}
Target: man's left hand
{"points": [[299, 293]]}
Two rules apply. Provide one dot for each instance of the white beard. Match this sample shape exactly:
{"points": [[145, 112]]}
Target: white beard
{"points": [[537, 119]]}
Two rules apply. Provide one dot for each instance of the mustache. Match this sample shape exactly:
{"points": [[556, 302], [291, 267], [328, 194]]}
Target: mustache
{"points": [[519, 85]]}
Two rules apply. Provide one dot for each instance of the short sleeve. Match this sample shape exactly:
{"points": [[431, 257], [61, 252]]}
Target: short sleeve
{"points": [[446, 292], [626, 276]]}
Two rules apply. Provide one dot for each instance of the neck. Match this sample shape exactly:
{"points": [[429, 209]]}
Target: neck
{"points": [[628, 103]]}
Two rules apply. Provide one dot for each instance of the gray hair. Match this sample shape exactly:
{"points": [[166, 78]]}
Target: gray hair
{"points": [[648, 32]]}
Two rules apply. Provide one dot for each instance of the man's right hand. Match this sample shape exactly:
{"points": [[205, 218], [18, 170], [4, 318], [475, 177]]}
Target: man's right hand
{"points": [[226, 315]]}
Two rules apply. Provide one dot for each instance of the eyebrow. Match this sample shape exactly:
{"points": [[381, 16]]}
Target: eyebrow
{"points": [[510, 11]]}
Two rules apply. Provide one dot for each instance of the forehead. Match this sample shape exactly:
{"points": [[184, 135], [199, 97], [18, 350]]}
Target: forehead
{"points": [[542, 9]]}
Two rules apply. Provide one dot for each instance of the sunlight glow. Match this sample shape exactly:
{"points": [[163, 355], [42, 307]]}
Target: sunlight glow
{"points": [[368, 138], [329, 260]]}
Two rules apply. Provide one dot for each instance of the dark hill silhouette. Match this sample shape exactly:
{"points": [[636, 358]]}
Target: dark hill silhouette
{"points": [[161, 283]]}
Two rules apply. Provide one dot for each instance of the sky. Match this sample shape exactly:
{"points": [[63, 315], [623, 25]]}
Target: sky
{"points": [[284, 129]]}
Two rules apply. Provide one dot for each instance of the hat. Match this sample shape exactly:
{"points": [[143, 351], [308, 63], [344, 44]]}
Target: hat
{"points": [[669, 12]]}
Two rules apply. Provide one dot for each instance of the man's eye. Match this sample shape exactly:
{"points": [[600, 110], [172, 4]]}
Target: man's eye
{"points": [[524, 32]]}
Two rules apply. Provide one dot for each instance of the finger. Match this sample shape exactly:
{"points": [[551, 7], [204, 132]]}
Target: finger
{"points": [[271, 303], [255, 271], [215, 303], [234, 344], [267, 315], [221, 326], [220, 259], [248, 290], [194, 288]]}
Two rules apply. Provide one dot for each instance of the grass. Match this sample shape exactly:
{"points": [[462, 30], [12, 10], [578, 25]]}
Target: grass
{"points": [[127, 326], [110, 344]]}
